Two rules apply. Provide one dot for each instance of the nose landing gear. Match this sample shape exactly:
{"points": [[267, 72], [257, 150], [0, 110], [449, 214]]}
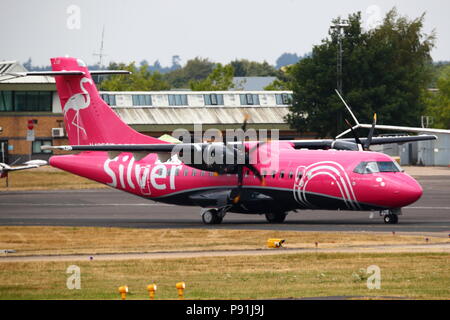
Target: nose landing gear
{"points": [[391, 216]]}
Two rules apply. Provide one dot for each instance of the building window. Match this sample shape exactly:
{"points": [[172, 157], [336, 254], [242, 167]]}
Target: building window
{"points": [[142, 100], [37, 144], [6, 101], [32, 100], [110, 99], [213, 99], [178, 100], [249, 99], [283, 98]]}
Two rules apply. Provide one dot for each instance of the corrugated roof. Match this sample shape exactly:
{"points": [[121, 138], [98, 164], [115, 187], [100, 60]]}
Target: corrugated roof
{"points": [[7, 67], [203, 115]]}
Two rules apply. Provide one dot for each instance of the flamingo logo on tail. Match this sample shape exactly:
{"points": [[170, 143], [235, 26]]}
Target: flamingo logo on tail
{"points": [[77, 102]]}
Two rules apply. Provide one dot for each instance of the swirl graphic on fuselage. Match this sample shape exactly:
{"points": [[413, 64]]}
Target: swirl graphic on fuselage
{"points": [[331, 169]]}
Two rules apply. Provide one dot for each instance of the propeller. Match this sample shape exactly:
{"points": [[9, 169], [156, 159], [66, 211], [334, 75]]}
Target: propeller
{"points": [[366, 145], [236, 193]]}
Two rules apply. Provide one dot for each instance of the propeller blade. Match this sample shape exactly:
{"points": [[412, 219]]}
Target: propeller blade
{"points": [[244, 125], [236, 196], [256, 173], [370, 136], [353, 132]]}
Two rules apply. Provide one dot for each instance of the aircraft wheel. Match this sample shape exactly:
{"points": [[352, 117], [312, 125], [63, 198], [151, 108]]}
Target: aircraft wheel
{"points": [[211, 216], [391, 218], [276, 217]]}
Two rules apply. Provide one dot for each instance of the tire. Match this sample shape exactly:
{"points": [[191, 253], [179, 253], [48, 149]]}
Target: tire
{"points": [[394, 219], [211, 217], [391, 219], [276, 217]]}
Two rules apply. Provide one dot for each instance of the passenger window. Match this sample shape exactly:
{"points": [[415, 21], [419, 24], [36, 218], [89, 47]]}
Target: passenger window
{"points": [[291, 174], [282, 174]]}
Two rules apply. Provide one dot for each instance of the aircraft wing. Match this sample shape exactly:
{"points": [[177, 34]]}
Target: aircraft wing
{"points": [[4, 168], [349, 143], [340, 144]]}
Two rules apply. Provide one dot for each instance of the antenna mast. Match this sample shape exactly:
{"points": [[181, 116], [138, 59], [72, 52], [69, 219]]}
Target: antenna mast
{"points": [[101, 54]]}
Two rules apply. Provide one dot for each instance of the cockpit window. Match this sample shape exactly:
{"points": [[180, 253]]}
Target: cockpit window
{"points": [[367, 167]]}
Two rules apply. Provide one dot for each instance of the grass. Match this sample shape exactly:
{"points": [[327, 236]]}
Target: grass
{"points": [[30, 240], [46, 178], [410, 275]]}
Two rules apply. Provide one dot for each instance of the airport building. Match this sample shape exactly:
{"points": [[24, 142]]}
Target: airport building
{"points": [[34, 99]]}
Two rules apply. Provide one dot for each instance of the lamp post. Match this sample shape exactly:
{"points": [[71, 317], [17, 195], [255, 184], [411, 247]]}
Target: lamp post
{"points": [[339, 26]]}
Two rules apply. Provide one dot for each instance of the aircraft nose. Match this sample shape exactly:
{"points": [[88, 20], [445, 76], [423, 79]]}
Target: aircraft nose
{"points": [[408, 191]]}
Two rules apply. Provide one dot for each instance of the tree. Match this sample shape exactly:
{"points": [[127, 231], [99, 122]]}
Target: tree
{"points": [[220, 79], [195, 69], [284, 80], [438, 104], [141, 79], [287, 59], [246, 68], [385, 70]]}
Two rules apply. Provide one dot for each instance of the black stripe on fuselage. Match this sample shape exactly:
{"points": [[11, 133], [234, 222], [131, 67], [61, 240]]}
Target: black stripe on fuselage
{"points": [[283, 200]]}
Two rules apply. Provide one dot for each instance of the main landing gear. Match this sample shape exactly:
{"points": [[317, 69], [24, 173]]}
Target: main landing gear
{"points": [[213, 216], [276, 217], [391, 216]]}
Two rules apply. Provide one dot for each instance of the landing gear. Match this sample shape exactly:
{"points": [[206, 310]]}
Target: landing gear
{"points": [[391, 216], [391, 219], [276, 217], [213, 216]]}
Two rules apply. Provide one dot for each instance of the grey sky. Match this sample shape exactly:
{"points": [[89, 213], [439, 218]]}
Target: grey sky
{"points": [[216, 29]]}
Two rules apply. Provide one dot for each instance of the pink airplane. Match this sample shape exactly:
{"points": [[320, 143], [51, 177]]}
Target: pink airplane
{"points": [[331, 174]]}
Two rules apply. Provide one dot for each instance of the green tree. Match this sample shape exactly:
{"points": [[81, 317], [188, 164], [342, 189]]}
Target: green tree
{"points": [[385, 70], [284, 80], [438, 104], [220, 79], [141, 79], [195, 69], [246, 68]]}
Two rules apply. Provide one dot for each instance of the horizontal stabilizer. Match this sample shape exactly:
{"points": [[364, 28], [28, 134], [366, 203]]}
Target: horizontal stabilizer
{"points": [[66, 73]]}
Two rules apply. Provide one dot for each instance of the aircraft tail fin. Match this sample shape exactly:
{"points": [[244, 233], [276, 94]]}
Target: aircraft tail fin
{"points": [[87, 118]]}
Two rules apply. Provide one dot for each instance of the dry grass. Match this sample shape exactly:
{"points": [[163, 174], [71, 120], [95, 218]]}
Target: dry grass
{"points": [[418, 276], [46, 178], [90, 240]]}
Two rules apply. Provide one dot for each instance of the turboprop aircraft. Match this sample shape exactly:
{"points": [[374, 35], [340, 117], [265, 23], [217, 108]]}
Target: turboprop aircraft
{"points": [[4, 168], [224, 177]]}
